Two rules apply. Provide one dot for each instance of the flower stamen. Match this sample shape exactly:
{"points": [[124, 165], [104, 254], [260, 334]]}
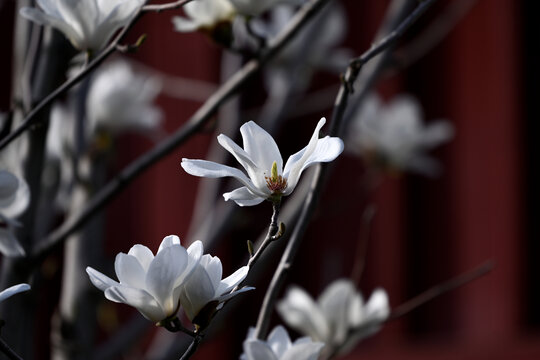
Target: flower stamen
{"points": [[276, 183]]}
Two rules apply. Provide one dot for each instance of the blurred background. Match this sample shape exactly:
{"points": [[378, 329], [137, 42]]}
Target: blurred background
{"points": [[473, 63]]}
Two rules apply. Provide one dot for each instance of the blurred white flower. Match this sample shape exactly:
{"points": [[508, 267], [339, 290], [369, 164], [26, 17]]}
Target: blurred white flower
{"points": [[204, 15], [14, 199], [278, 346], [88, 24], [150, 284], [266, 179], [339, 317], [120, 100], [205, 285], [393, 136], [15, 289], [257, 7]]}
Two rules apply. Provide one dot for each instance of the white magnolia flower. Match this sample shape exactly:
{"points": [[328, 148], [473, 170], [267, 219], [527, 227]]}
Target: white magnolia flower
{"points": [[393, 135], [15, 289], [150, 284], [257, 7], [120, 99], [88, 24], [339, 317], [205, 285], [266, 179], [204, 15], [14, 199], [278, 346]]}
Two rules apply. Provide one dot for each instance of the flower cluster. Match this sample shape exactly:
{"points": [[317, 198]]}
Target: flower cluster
{"points": [[339, 318], [266, 178], [278, 346], [158, 285]]}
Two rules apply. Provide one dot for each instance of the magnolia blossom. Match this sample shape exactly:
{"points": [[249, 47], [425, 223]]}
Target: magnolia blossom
{"points": [[339, 317], [204, 15], [257, 7], [266, 178], [205, 286], [152, 284], [120, 99], [14, 199], [278, 346], [15, 289], [88, 24], [393, 136]]}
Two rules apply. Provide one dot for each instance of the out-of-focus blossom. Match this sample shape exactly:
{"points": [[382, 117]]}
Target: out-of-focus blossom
{"points": [[314, 48], [120, 100], [392, 136], [152, 284], [266, 178], [205, 286], [204, 15], [14, 199], [339, 317], [257, 7], [88, 24], [15, 289], [278, 346]]}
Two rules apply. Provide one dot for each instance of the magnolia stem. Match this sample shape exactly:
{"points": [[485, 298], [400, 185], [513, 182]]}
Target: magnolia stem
{"points": [[311, 201], [4, 347], [270, 236], [192, 347]]}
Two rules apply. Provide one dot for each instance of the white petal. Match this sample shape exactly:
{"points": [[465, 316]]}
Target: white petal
{"points": [[9, 246], [214, 170], [255, 173], [303, 351], [101, 281], [14, 194], [15, 289], [129, 271], [258, 350], [228, 296], [139, 299], [41, 18], [334, 302], [183, 24], [326, 150], [163, 274], [195, 252], [232, 280], [436, 133], [243, 197], [196, 292], [143, 254], [279, 341], [300, 312], [167, 241], [377, 307], [214, 269], [261, 147]]}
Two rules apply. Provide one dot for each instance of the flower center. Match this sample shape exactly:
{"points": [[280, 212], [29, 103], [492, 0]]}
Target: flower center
{"points": [[276, 183]]}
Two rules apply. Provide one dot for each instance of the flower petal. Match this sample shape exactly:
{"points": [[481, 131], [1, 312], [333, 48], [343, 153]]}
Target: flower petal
{"points": [[143, 254], [232, 280], [261, 147], [196, 292], [183, 24], [139, 299], [129, 271], [243, 197], [300, 312], [377, 307], [163, 274], [101, 281], [334, 302], [15, 289], [167, 241], [258, 350], [303, 351], [214, 269], [279, 341]]}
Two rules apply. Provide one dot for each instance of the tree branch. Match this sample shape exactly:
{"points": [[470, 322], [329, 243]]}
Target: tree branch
{"points": [[196, 122]]}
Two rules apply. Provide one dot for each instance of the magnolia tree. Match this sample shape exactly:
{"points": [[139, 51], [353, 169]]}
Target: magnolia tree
{"points": [[57, 141]]}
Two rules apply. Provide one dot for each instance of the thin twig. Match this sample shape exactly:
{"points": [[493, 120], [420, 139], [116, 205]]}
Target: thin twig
{"points": [[192, 347], [4, 347], [197, 121], [441, 289], [31, 118], [162, 7], [321, 171], [270, 236]]}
